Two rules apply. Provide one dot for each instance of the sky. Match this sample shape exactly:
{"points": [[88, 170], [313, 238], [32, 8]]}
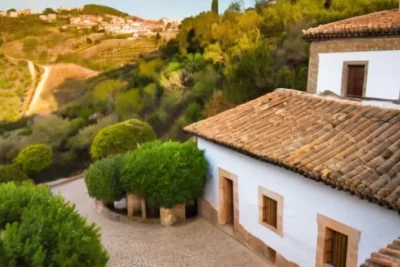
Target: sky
{"points": [[149, 9]]}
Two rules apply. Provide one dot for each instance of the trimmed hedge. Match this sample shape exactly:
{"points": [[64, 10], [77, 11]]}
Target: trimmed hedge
{"points": [[102, 179], [121, 138], [38, 229], [34, 158], [12, 173], [171, 173]]}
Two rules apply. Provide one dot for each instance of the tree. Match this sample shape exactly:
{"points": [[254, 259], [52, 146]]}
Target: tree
{"points": [[158, 38], [38, 229], [236, 6], [214, 6], [48, 11], [121, 138], [11, 10], [102, 179], [169, 173], [12, 173], [34, 158]]}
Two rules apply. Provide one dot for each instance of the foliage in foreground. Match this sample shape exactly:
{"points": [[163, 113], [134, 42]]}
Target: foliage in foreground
{"points": [[121, 138], [38, 229], [34, 158], [171, 173], [102, 179]]}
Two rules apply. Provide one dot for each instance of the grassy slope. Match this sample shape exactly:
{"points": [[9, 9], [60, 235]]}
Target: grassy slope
{"points": [[64, 85], [15, 80]]}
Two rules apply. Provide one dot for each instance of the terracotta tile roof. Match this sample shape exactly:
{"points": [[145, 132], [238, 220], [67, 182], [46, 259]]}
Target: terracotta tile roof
{"points": [[384, 23], [386, 257], [339, 142]]}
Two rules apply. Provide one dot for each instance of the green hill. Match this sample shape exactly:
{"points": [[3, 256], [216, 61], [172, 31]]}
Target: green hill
{"points": [[102, 10]]}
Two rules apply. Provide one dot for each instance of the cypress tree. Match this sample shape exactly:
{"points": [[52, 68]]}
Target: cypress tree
{"points": [[214, 6]]}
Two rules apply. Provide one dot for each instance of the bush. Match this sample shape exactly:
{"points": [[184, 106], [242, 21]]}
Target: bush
{"points": [[38, 229], [84, 138], [12, 173], [102, 179], [121, 138], [34, 158], [171, 173]]}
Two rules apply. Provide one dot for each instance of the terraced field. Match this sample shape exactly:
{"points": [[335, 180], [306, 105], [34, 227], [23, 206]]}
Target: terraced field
{"points": [[16, 85], [111, 53]]}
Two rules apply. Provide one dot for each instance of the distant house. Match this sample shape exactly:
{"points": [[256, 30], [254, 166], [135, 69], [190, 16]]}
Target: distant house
{"points": [[24, 12], [13, 14], [2, 13], [49, 17], [75, 20], [52, 16], [305, 180], [357, 57]]}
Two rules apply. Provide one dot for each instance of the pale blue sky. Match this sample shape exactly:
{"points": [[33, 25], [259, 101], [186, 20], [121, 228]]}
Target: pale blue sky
{"points": [[150, 9]]}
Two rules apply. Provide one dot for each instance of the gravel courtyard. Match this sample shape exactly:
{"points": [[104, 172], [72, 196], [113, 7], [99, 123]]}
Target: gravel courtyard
{"points": [[196, 243]]}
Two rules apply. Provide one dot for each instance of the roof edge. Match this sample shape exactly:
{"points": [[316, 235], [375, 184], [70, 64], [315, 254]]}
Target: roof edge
{"points": [[307, 175]]}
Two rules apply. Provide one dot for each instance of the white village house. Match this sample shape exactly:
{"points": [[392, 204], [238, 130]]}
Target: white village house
{"points": [[314, 180]]}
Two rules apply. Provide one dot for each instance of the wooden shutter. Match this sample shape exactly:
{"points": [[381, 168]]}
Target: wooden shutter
{"points": [[335, 250], [339, 255], [355, 81], [270, 210]]}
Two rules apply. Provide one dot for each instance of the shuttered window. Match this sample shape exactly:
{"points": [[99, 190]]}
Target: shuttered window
{"points": [[335, 251], [270, 211], [355, 81]]}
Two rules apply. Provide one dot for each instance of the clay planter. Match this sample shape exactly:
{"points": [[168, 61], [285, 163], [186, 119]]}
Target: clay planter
{"points": [[174, 215]]}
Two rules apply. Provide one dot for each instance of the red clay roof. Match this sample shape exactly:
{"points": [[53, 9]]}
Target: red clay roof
{"points": [[384, 23], [386, 257], [339, 142]]}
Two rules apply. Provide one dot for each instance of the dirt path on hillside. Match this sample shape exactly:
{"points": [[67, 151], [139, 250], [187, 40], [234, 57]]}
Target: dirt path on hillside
{"points": [[38, 91]]}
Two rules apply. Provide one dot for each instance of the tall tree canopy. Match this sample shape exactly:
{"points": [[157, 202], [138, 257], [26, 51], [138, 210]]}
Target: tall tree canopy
{"points": [[48, 11], [214, 6]]}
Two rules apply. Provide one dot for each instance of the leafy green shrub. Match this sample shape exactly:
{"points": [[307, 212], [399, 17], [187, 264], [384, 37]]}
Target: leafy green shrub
{"points": [[34, 158], [12, 173], [171, 173], [38, 229], [102, 179], [120, 138]]}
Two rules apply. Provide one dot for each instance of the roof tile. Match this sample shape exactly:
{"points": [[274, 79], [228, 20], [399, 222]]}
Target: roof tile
{"points": [[383, 23], [342, 143]]}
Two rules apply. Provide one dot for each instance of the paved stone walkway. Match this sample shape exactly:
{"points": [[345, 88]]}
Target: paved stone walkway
{"points": [[195, 243]]}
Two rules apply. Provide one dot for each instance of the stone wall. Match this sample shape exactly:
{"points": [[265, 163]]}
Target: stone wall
{"points": [[174, 215], [345, 45]]}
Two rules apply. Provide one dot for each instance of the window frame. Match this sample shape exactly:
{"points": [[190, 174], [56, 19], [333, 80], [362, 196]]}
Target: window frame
{"points": [[345, 75], [263, 192], [353, 240]]}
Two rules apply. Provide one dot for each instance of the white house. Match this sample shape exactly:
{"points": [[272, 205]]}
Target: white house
{"points": [[305, 180], [357, 57], [13, 14]]}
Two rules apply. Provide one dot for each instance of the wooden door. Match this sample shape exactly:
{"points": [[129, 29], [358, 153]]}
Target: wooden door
{"points": [[229, 201], [355, 81]]}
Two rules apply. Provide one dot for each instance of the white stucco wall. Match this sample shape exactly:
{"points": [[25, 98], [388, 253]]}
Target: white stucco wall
{"points": [[383, 79], [303, 200]]}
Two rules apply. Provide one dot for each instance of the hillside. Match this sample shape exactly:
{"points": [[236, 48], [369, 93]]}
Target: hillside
{"points": [[111, 54], [64, 85], [16, 84], [102, 10]]}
